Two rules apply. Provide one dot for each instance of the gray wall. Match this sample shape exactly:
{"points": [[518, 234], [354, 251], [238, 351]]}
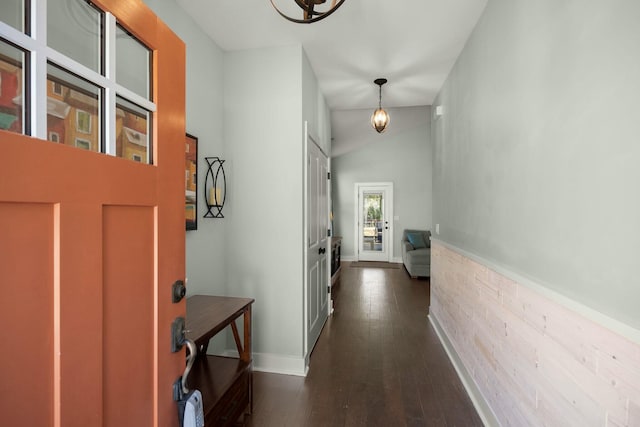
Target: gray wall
{"points": [[403, 158], [315, 110], [206, 255], [536, 155], [264, 135]]}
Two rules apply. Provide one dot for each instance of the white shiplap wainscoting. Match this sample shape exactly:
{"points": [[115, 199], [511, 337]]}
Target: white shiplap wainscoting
{"points": [[534, 360]]}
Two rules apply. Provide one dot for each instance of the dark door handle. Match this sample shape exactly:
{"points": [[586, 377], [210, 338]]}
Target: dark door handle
{"points": [[321, 251]]}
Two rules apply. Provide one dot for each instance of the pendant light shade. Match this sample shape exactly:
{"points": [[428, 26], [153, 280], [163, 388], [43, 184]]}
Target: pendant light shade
{"points": [[380, 118]]}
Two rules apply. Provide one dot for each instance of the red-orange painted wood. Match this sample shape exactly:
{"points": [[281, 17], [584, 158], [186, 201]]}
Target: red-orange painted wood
{"points": [[26, 233], [89, 247]]}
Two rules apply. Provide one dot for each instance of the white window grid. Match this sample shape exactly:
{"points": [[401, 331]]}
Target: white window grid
{"points": [[36, 49]]}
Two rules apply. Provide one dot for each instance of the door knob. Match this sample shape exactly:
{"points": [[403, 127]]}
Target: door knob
{"points": [[178, 291], [321, 251]]}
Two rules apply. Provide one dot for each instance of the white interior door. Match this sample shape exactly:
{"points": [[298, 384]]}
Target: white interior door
{"points": [[317, 242], [374, 233]]}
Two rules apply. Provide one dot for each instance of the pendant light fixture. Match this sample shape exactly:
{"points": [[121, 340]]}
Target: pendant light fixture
{"points": [[309, 13], [380, 118]]}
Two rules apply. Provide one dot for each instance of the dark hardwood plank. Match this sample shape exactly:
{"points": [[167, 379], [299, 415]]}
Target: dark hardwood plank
{"points": [[378, 362]]}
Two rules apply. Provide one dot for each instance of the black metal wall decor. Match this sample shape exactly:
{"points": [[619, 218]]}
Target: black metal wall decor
{"points": [[215, 187]]}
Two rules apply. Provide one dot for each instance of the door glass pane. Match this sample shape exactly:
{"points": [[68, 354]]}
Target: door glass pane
{"points": [[133, 64], [75, 29], [133, 125], [73, 110], [12, 13], [372, 216], [12, 91]]}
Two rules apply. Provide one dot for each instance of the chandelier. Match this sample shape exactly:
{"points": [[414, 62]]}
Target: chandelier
{"points": [[309, 12], [380, 118]]}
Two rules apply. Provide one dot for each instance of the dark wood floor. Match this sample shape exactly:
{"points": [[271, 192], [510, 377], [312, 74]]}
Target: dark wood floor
{"points": [[378, 362]]}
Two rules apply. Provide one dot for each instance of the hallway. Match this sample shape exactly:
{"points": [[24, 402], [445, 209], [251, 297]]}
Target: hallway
{"points": [[378, 362]]}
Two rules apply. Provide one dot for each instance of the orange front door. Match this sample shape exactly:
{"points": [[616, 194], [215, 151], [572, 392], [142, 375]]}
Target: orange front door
{"points": [[89, 247]]}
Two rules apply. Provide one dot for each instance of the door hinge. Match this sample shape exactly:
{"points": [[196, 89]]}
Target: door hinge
{"points": [[328, 175], [328, 289]]}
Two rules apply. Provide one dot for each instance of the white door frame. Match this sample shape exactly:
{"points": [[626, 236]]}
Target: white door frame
{"points": [[387, 189]]}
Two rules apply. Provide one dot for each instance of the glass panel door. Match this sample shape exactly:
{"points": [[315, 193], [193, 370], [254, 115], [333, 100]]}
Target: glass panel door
{"points": [[374, 234], [372, 220]]}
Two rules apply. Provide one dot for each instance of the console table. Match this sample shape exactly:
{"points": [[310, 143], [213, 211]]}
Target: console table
{"points": [[336, 243], [226, 383]]}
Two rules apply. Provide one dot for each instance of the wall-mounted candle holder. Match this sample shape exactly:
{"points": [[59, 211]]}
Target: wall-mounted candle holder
{"points": [[215, 187]]}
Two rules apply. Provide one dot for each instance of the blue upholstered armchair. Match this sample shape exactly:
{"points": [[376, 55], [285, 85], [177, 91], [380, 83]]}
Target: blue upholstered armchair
{"points": [[416, 252]]}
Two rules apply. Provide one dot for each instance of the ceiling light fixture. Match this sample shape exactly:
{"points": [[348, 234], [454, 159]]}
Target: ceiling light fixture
{"points": [[309, 14], [380, 118]]}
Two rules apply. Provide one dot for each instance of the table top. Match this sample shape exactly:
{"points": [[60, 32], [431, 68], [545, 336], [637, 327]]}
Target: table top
{"points": [[207, 315]]}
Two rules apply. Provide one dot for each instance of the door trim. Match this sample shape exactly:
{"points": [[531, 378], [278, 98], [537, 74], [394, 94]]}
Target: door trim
{"points": [[387, 187]]}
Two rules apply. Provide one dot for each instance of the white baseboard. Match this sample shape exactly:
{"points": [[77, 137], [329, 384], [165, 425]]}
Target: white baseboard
{"points": [[275, 363], [479, 402]]}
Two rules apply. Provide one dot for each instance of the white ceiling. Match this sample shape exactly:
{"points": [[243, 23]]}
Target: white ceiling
{"points": [[412, 43]]}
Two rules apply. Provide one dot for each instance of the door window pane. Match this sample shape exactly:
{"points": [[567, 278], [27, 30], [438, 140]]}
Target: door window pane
{"points": [[372, 222], [12, 13], [133, 125], [12, 91], [75, 28], [133, 64], [73, 110]]}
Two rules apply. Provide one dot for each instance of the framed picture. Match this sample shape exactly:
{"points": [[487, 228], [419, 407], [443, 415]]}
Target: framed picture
{"points": [[191, 182]]}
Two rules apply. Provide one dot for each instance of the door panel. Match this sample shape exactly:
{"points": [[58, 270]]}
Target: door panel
{"points": [[91, 245], [128, 312], [317, 253], [323, 227], [314, 290], [26, 231]]}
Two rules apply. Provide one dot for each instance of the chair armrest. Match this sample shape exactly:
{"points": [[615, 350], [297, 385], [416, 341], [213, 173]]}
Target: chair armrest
{"points": [[407, 246]]}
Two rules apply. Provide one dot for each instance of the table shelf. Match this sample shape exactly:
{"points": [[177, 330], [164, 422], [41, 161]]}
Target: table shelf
{"points": [[226, 383]]}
